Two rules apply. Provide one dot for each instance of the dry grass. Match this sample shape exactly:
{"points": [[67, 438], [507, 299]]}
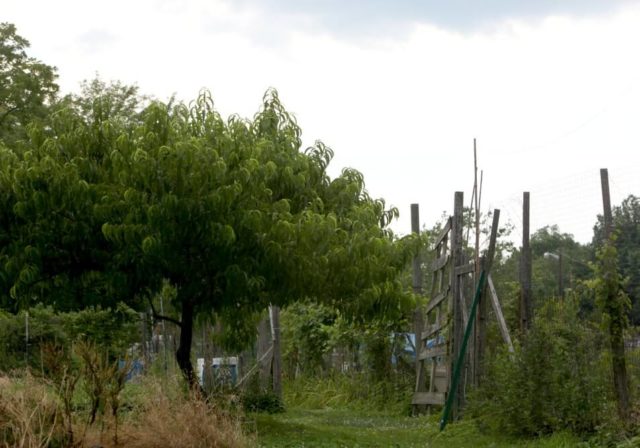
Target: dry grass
{"points": [[29, 415], [160, 415], [184, 424]]}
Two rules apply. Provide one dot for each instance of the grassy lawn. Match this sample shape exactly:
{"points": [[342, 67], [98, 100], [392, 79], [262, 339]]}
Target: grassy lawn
{"points": [[347, 428]]}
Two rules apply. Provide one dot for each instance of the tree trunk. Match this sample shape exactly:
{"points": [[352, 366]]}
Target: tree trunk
{"points": [[183, 355]]}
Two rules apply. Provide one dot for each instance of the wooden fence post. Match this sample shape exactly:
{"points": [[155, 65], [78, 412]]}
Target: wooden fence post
{"points": [[484, 297], [526, 307], [418, 319], [616, 326], [455, 307], [264, 359], [276, 366]]}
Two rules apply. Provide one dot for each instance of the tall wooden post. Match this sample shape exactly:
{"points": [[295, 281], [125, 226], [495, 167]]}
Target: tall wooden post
{"points": [[455, 306], [276, 367], [606, 203], [418, 319], [526, 307], [208, 380], [481, 317], [145, 341], [616, 325], [560, 276], [417, 271], [264, 359]]}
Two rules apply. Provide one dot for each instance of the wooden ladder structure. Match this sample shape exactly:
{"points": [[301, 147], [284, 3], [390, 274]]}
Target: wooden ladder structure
{"points": [[430, 343], [440, 328]]}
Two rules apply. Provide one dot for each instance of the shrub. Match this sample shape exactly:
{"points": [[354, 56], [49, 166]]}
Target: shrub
{"points": [[556, 380], [306, 337], [262, 402], [111, 330]]}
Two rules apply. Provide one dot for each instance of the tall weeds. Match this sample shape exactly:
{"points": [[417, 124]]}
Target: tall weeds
{"points": [[29, 415], [35, 413]]}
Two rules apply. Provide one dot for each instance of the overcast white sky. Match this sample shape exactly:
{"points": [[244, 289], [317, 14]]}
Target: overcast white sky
{"points": [[399, 89]]}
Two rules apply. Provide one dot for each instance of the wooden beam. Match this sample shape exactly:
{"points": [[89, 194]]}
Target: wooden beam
{"points": [[481, 316], [431, 398], [431, 330], [435, 352], [443, 233], [440, 262], [497, 309], [465, 269], [437, 300]]}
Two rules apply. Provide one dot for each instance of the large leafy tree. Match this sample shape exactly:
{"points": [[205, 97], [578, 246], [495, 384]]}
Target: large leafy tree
{"points": [[27, 86], [232, 213]]}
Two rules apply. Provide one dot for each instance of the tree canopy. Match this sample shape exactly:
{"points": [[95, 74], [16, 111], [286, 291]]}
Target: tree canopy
{"points": [[27, 86], [98, 209]]}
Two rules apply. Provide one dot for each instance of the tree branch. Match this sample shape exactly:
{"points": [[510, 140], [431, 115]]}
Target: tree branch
{"points": [[157, 316], [4, 115]]}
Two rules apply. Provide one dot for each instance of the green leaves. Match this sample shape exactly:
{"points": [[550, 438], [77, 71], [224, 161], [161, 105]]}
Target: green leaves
{"points": [[27, 86], [113, 200]]}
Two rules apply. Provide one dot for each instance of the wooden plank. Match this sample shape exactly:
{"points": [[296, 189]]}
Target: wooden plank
{"points": [[441, 383], [432, 329], [437, 300], [463, 307], [440, 262], [434, 352], [432, 398], [502, 324], [443, 233], [441, 371], [465, 269]]}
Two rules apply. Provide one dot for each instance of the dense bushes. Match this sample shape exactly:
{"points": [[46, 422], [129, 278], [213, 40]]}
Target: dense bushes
{"points": [[113, 331], [556, 380]]}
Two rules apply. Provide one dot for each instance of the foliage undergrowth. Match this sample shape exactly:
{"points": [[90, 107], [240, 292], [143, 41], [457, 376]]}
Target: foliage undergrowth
{"points": [[555, 381], [349, 391], [366, 428]]}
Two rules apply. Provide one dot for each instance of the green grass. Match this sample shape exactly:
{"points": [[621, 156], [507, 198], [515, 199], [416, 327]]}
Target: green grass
{"points": [[349, 428]]}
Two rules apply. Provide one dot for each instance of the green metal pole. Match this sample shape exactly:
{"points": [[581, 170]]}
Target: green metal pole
{"points": [[463, 349]]}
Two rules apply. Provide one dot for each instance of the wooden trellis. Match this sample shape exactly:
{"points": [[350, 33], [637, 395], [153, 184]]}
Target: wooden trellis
{"points": [[440, 327], [431, 345], [445, 315]]}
